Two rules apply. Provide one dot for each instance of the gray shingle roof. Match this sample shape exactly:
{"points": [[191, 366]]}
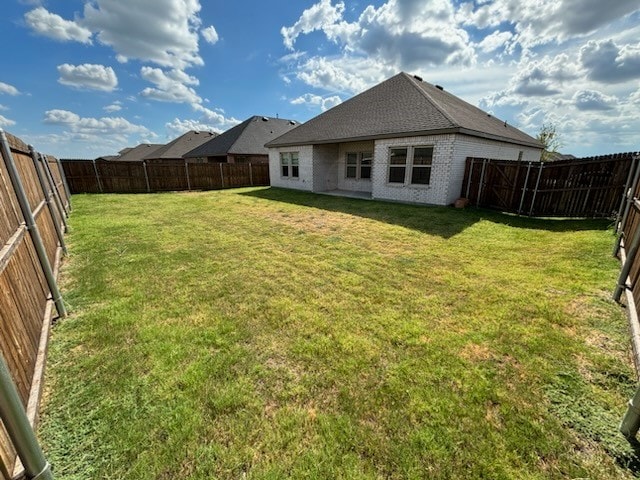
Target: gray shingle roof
{"points": [[246, 138], [401, 106], [181, 145], [137, 154]]}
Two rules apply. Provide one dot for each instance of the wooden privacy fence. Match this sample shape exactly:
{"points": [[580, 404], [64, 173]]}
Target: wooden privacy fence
{"points": [[101, 176], [31, 247], [586, 187]]}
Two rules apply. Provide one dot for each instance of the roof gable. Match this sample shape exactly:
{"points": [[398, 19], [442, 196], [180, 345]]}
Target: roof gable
{"points": [[403, 105], [249, 137], [138, 153]]}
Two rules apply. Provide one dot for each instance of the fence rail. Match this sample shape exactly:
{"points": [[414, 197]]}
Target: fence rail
{"points": [[34, 204], [587, 187], [89, 176]]}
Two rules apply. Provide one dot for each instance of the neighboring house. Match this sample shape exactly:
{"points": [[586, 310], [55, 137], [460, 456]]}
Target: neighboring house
{"points": [[175, 149], [403, 140], [243, 143], [137, 154]]}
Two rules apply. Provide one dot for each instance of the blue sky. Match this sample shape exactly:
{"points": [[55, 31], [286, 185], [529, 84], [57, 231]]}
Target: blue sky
{"points": [[88, 78]]}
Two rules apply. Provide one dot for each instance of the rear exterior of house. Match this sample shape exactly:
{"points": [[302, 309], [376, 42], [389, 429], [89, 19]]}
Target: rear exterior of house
{"points": [[412, 147]]}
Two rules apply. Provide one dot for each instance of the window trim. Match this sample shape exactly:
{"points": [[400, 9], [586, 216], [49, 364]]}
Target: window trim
{"points": [[358, 165], [287, 161], [409, 165]]}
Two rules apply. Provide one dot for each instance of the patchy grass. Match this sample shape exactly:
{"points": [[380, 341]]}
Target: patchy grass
{"points": [[266, 334]]}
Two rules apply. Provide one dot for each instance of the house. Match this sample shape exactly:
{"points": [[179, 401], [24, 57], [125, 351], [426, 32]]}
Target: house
{"points": [[138, 153], [243, 143], [175, 149], [404, 140]]}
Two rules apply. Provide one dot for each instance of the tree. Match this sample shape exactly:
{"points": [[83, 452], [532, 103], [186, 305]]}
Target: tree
{"points": [[551, 139]]}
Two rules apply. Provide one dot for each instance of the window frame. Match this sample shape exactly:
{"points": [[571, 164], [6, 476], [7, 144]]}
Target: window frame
{"points": [[291, 162], [359, 156], [410, 166]]}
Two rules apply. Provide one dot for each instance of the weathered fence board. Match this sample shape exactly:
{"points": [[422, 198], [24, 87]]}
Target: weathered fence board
{"points": [[588, 187], [88, 176], [25, 294]]}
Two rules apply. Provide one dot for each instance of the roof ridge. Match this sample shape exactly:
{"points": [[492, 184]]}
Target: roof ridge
{"points": [[431, 100], [246, 123]]}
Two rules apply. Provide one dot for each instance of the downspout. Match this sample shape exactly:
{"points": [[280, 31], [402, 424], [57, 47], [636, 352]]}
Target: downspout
{"points": [[19, 429]]}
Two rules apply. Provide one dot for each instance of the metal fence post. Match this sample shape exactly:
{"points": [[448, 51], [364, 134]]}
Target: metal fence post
{"points": [[146, 176], [19, 429], [473, 160], [221, 176], [47, 197], [481, 185], [32, 227], [524, 188], [56, 194], [186, 169], [629, 193], [95, 169], [626, 268], [625, 192], [65, 184], [535, 190]]}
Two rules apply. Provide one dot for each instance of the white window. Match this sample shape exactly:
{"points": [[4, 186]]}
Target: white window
{"points": [[289, 165], [358, 165], [410, 165]]}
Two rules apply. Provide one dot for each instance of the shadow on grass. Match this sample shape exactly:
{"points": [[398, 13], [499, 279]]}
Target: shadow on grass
{"points": [[441, 221]]}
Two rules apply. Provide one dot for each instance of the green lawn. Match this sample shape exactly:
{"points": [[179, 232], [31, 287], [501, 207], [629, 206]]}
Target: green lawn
{"points": [[267, 334]]}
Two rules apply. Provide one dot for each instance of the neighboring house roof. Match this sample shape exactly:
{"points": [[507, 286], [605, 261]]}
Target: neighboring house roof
{"points": [[402, 106], [555, 156], [137, 154], [181, 145], [247, 138], [125, 150], [108, 157]]}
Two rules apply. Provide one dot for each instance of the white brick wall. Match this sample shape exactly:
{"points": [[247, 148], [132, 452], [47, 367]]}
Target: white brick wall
{"points": [[305, 157], [325, 167], [352, 184], [435, 192]]}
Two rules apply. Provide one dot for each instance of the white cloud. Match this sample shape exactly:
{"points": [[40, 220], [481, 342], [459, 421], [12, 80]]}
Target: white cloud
{"points": [[8, 89], [495, 41], [54, 26], [87, 75], [93, 126], [311, 99], [609, 63], [318, 16], [114, 107], [3, 108], [164, 32], [172, 86], [210, 35], [593, 100], [5, 122]]}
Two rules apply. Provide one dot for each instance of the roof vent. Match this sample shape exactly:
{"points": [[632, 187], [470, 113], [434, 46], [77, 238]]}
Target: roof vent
{"points": [[265, 119], [417, 78], [439, 87], [291, 122]]}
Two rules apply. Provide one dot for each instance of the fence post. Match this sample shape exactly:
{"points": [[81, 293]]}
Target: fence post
{"points": [[626, 268], [535, 190], [47, 198], [481, 185], [95, 169], [524, 188], [250, 175], [20, 431], [146, 176], [629, 193], [32, 227], [221, 176], [469, 179], [65, 184], [186, 169], [56, 194]]}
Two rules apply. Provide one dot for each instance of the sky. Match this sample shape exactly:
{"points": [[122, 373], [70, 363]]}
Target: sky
{"points": [[82, 79]]}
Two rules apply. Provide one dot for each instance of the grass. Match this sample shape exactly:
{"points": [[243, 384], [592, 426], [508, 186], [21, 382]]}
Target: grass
{"points": [[267, 334]]}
